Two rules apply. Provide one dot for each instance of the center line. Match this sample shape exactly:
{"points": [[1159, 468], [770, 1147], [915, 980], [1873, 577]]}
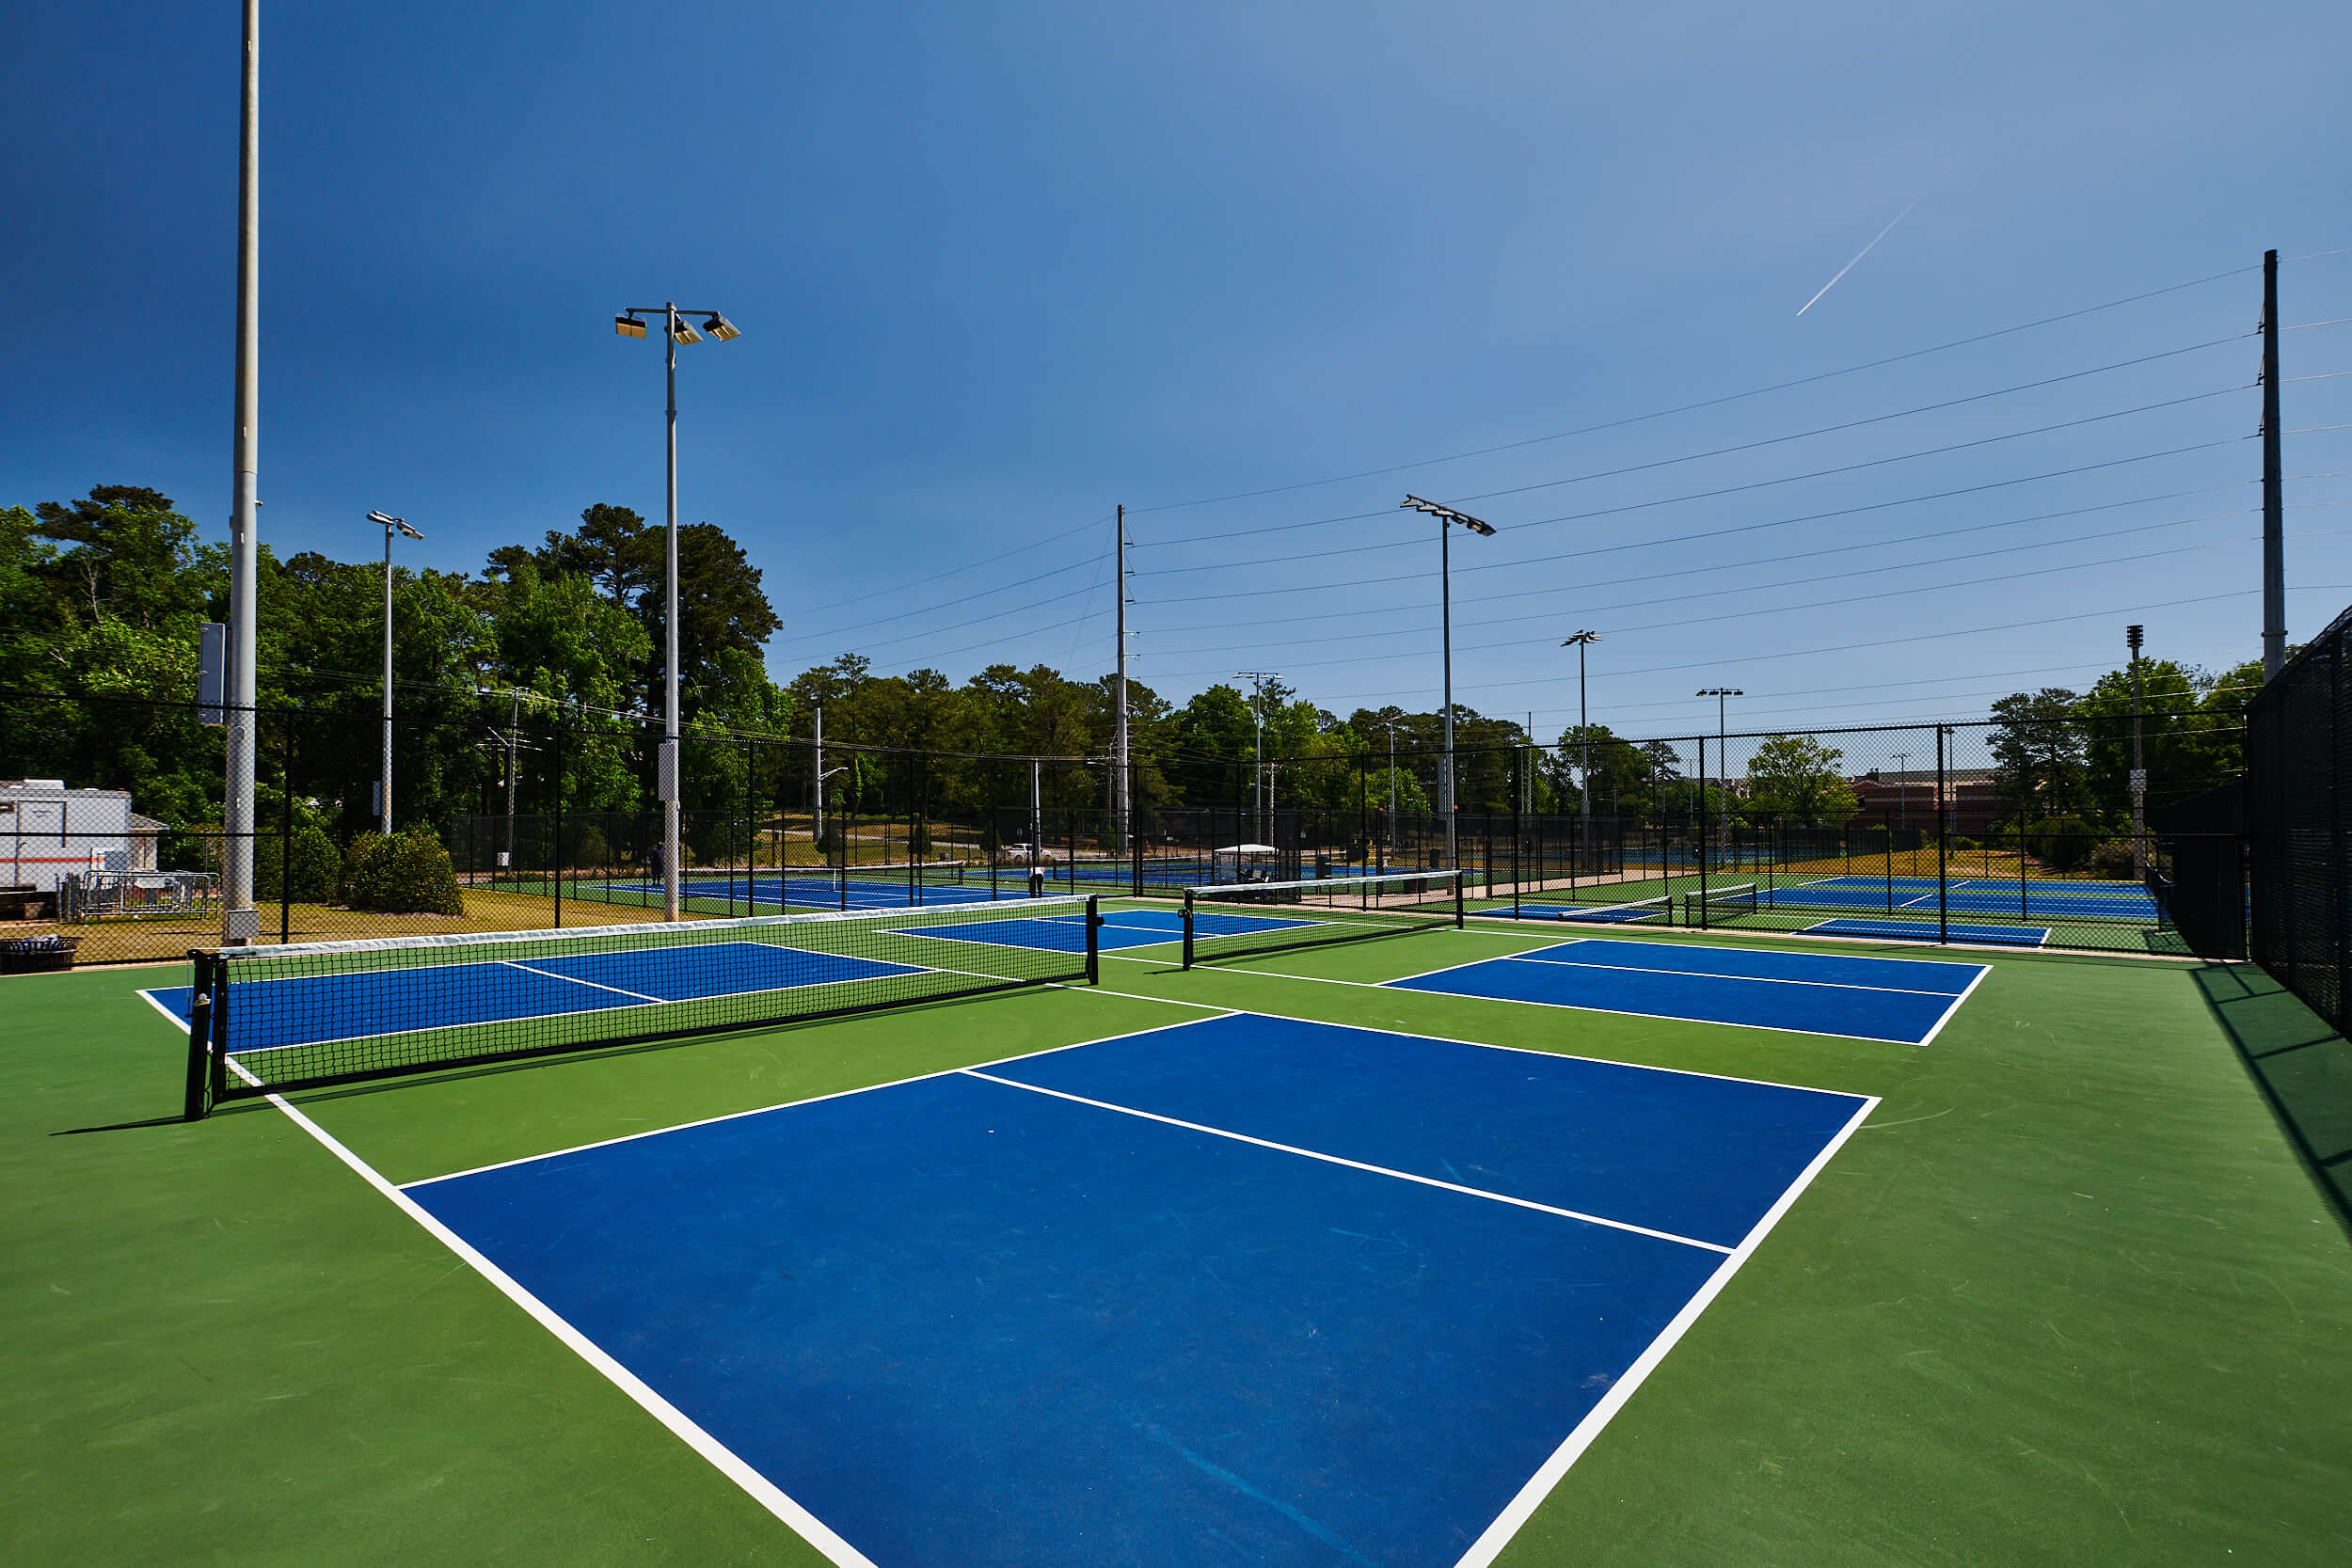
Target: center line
{"points": [[1356, 1164]]}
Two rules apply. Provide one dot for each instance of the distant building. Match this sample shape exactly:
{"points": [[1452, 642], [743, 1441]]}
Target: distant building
{"points": [[1900, 797], [49, 833]]}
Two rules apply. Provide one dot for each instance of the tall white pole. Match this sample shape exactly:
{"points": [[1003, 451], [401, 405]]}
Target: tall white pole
{"points": [[1584, 768], [816, 820], [1123, 802], [240, 923], [675, 765], [385, 822]]}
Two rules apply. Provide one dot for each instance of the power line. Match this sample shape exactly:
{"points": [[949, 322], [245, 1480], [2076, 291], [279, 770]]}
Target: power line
{"points": [[1715, 401], [1879, 643], [1741, 447], [1704, 533]]}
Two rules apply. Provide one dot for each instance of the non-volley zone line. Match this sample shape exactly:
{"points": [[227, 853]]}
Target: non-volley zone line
{"points": [[1328, 1261], [364, 1003], [1119, 928], [1905, 1001], [1928, 931]]}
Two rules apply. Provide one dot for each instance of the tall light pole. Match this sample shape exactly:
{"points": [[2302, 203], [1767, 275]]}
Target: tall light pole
{"points": [[1902, 790], [1581, 642], [1723, 761], [1122, 807], [240, 922], [2133, 636], [384, 784], [1257, 778], [678, 331], [1447, 517]]}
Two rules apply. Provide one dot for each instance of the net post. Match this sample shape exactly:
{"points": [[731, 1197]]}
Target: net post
{"points": [[1458, 900], [199, 1100], [1187, 927], [1095, 939]]}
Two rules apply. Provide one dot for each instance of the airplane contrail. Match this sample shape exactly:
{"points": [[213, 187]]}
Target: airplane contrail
{"points": [[1858, 256]]}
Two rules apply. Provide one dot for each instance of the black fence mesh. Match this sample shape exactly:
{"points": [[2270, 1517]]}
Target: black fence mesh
{"points": [[2298, 735]]}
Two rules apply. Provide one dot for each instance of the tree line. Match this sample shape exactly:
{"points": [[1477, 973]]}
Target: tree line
{"points": [[104, 597]]}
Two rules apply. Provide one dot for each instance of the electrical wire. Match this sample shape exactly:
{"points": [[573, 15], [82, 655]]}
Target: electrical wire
{"points": [[1689, 538], [1741, 447], [1715, 401]]}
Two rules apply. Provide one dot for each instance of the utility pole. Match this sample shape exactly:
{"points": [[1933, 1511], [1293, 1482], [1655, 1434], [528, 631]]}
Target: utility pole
{"points": [[1258, 793], [2133, 636], [817, 783], [1902, 790], [1581, 642], [2274, 500], [1123, 804], [1723, 761]]}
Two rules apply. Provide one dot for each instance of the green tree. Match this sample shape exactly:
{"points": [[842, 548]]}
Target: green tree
{"points": [[1795, 778], [2038, 762]]}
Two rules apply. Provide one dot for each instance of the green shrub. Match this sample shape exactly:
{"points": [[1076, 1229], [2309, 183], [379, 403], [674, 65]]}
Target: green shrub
{"points": [[2061, 844], [407, 874], [2114, 858], [302, 868], [590, 851], [1962, 841]]}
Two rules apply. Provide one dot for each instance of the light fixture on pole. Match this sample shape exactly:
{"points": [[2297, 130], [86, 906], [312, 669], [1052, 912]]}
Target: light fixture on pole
{"points": [[1581, 642], [1447, 517], [1258, 813], [384, 780], [676, 329], [1723, 761]]}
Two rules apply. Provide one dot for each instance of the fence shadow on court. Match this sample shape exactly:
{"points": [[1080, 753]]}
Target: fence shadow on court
{"points": [[2303, 1067]]}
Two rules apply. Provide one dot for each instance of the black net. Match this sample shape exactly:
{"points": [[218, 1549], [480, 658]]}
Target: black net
{"points": [[1235, 920], [271, 1018]]}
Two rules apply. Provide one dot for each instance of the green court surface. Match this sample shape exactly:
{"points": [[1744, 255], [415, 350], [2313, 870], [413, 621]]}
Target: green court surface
{"points": [[2072, 1294]]}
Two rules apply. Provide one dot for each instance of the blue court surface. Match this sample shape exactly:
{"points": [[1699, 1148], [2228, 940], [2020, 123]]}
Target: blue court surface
{"points": [[1067, 933], [823, 892], [310, 1009], [1925, 930], [2045, 899], [1901, 1000], [1248, 1290]]}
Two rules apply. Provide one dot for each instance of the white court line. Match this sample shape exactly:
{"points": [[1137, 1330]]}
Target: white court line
{"points": [[1721, 974], [574, 979], [1952, 1011], [1486, 1045], [1393, 988], [810, 1100], [722, 1458], [1356, 1164], [1522, 1507]]}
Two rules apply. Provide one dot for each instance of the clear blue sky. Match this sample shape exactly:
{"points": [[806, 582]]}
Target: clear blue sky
{"points": [[998, 269]]}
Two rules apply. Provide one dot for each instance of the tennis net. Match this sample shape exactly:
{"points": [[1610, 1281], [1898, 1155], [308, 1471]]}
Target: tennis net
{"points": [[1236, 919], [264, 1018], [1659, 910], [1718, 905]]}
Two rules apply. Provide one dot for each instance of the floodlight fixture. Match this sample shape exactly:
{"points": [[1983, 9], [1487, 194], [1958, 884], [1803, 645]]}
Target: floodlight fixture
{"points": [[1447, 515], [676, 329]]}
